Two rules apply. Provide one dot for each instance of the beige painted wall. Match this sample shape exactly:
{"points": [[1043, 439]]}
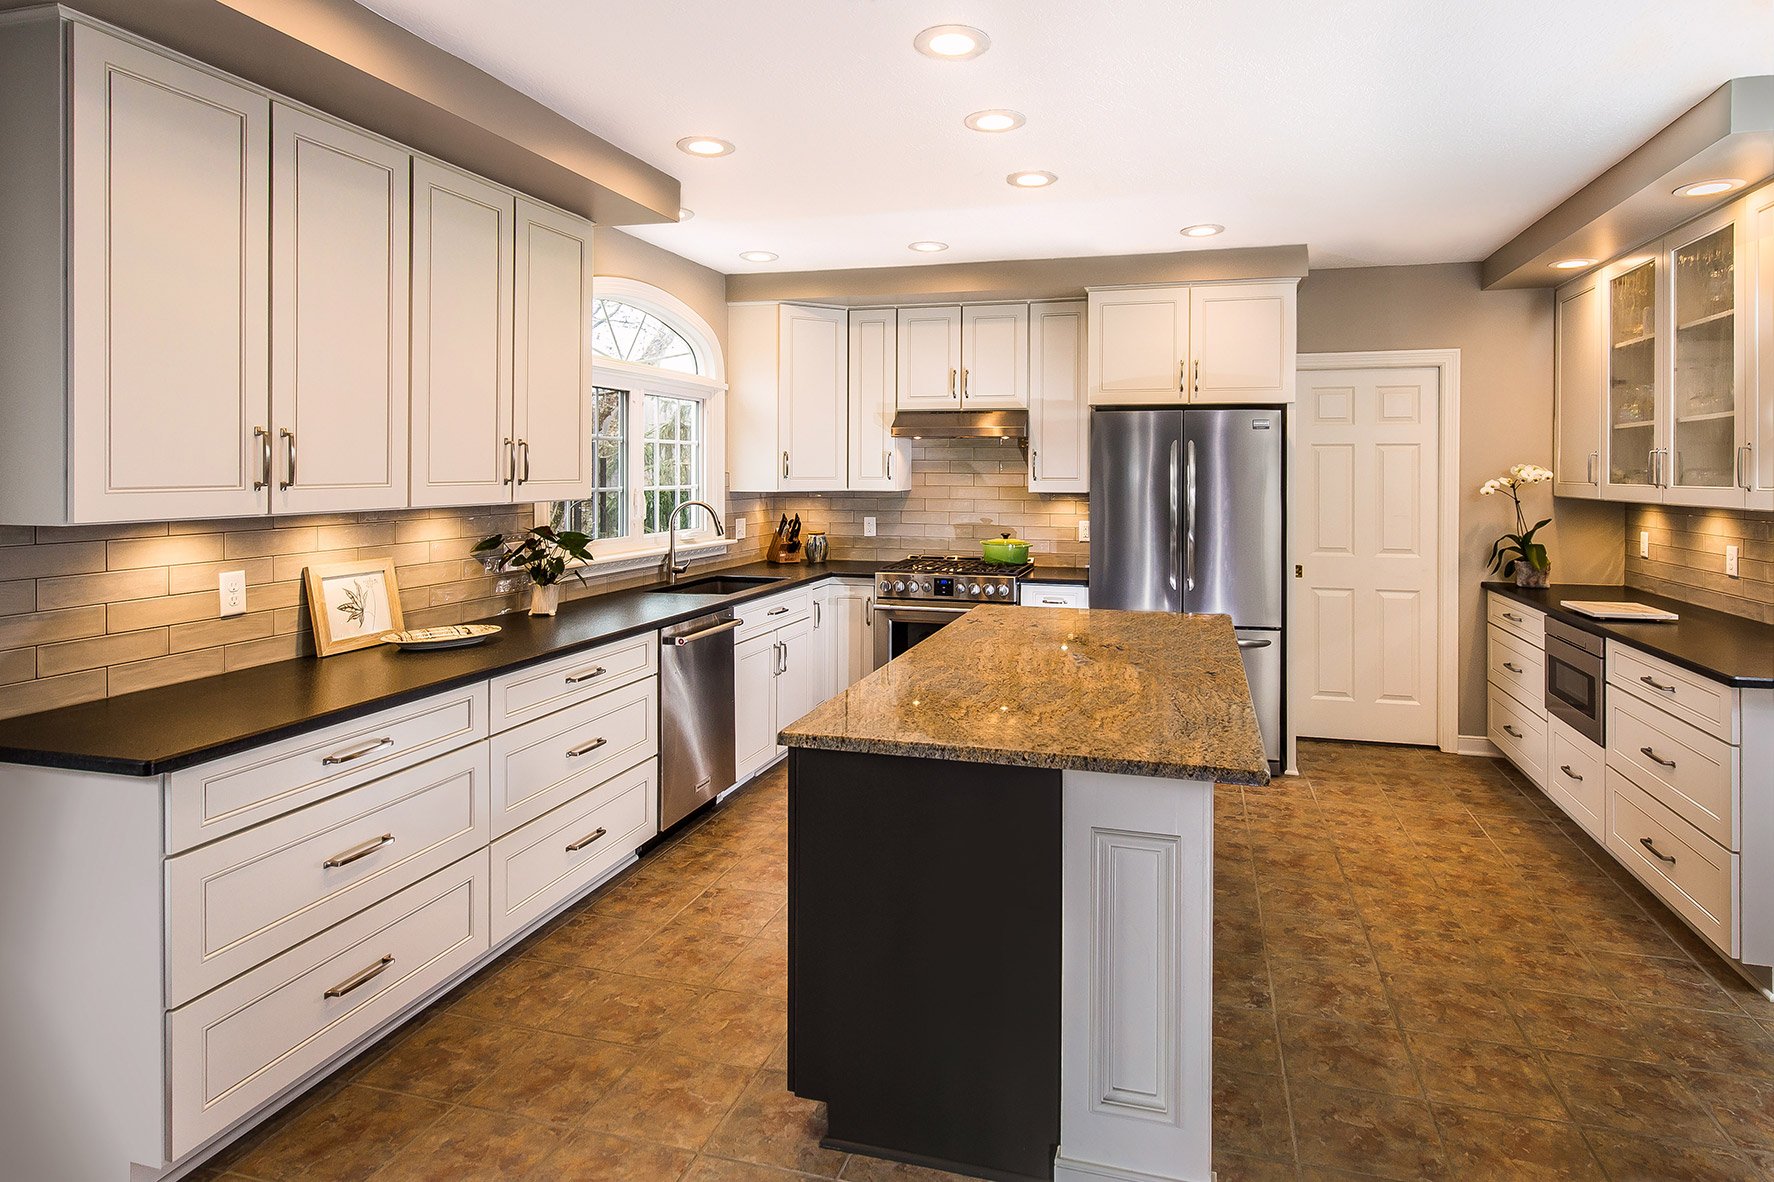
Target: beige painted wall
{"points": [[1505, 343], [626, 257]]}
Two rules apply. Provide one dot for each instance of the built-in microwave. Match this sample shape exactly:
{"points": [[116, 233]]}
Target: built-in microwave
{"points": [[1576, 677]]}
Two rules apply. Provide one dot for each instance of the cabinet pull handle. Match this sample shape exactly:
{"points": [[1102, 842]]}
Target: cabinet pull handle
{"points": [[358, 752], [289, 445], [1513, 618], [1566, 769], [1183, 377], [586, 748], [868, 612], [1592, 470], [1657, 853], [1745, 478], [816, 613], [510, 461], [357, 851], [1656, 758], [1651, 468], [777, 611], [1035, 464], [966, 381], [264, 438], [1657, 685], [361, 977], [954, 391], [889, 456], [785, 465], [776, 658], [1511, 731], [576, 678], [587, 839], [1062, 603], [1198, 375], [1512, 667], [523, 447]]}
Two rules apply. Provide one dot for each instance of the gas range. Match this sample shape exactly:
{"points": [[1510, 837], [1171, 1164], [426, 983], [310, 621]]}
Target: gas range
{"points": [[952, 578]]}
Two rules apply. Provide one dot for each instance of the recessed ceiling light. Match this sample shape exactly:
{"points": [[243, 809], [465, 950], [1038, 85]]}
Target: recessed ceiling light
{"points": [[757, 256], [1572, 264], [997, 119], [1202, 230], [1709, 188], [705, 145], [685, 215], [952, 43], [927, 247], [1031, 179]]}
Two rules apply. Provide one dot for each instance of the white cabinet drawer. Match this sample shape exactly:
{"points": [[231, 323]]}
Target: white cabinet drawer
{"points": [[542, 689], [553, 759], [561, 853], [228, 794], [237, 1047], [762, 615], [1054, 595], [1708, 704], [1692, 773], [1576, 779], [1696, 877], [1516, 667], [1526, 622], [240, 901], [1519, 734]]}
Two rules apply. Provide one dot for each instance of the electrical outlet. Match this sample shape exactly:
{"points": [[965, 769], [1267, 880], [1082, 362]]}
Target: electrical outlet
{"points": [[868, 527], [1644, 543], [1084, 529], [232, 586], [739, 529], [1731, 561]]}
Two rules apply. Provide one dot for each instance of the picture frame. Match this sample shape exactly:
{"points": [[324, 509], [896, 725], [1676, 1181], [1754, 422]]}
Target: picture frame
{"points": [[352, 605]]}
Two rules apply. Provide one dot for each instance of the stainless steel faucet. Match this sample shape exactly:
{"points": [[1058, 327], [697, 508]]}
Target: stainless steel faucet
{"points": [[674, 568]]}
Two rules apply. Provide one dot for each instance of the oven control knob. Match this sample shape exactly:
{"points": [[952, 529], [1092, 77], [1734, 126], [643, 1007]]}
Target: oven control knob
{"points": [[898, 585], [991, 590], [914, 585], [973, 589], [886, 586]]}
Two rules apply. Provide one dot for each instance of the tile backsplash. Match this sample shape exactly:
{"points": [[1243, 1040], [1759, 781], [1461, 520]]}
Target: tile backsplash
{"points": [[1687, 558]]}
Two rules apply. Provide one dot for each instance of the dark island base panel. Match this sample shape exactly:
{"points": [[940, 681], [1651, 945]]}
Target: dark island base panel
{"points": [[924, 958]]}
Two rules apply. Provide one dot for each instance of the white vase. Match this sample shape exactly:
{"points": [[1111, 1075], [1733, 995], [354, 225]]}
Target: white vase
{"points": [[544, 601]]}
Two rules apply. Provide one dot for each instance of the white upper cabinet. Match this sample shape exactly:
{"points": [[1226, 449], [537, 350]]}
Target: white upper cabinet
{"points": [[464, 452], [788, 398], [1702, 464], [339, 347], [169, 228], [930, 358], [1139, 346], [994, 356], [1757, 450], [1579, 391], [878, 461], [1242, 342], [1634, 415], [551, 339], [1059, 415]]}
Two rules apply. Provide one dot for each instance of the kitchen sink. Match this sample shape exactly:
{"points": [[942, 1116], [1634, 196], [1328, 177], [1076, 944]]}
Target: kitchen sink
{"points": [[721, 585]]}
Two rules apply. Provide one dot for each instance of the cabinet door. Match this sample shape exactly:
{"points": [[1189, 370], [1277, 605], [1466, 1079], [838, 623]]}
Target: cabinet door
{"points": [[1634, 410], [853, 636], [551, 376], [1758, 445], [1242, 342], [340, 212], [994, 355], [814, 404], [463, 448], [170, 228], [877, 460], [755, 662], [1059, 415], [825, 641], [929, 358], [1706, 366], [1138, 346], [798, 681], [1580, 392]]}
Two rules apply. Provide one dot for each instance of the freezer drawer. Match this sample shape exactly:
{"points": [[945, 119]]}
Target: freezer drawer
{"points": [[1261, 650]]}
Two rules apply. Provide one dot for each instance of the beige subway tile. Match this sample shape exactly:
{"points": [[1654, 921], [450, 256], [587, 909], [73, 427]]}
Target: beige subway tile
{"points": [[141, 675], [339, 537], [17, 664], [19, 595], [17, 535], [137, 614], [48, 627], [291, 566], [274, 595], [430, 574], [105, 587], [205, 576], [413, 599], [259, 543], [129, 553], [425, 529], [313, 520], [96, 653], [211, 633], [45, 561], [263, 652], [403, 553], [291, 619], [51, 693], [100, 533], [221, 525]]}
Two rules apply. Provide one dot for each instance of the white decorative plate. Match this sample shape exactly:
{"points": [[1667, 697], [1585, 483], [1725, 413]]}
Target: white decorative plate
{"points": [[452, 636]]}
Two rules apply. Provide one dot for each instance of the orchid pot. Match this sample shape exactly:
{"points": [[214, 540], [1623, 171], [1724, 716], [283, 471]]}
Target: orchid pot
{"points": [[1518, 556]]}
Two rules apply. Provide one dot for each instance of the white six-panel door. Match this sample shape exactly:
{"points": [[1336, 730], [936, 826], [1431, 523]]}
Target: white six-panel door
{"points": [[1366, 523]]}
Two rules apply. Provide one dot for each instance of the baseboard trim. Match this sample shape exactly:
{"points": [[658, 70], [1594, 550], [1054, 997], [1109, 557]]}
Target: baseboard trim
{"points": [[1068, 1169], [1478, 745]]}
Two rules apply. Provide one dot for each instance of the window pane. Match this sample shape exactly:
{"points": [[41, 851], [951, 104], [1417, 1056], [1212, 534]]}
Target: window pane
{"points": [[602, 514], [672, 467], [627, 333]]}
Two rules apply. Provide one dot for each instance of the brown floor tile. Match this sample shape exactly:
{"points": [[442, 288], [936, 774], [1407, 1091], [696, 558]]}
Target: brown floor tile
{"points": [[1640, 1159], [1494, 1145], [443, 1057], [1582, 1025], [1484, 1075], [1457, 1009], [1662, 981], [694, 859], [1233, 1167], [1360, 1055], [685, 954], [1640, 1098], [472, 1146], [740, 1029], [771, 1126], [669, 1099], [657, 900], [724, 908], [521, 991], [1244, 1040], [1386, 1136], [761, 967], [594, 941], [1241, 979], [875, 1169], [758, 873], [589, 1156], [1250, 1116], [551, 1077], [1703, 1041], [1742, 1105], [1349, 989], [346, 1137], [629, 1011]]}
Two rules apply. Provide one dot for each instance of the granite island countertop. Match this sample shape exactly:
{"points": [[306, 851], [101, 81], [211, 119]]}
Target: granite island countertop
{"points": [[1134, 693]]}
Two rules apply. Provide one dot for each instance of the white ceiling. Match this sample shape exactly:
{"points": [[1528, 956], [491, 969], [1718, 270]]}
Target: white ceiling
{"points": [[1374, 131]]}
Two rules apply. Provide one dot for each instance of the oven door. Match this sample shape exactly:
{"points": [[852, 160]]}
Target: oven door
{"points": [[899, 626], [1574, 688]]}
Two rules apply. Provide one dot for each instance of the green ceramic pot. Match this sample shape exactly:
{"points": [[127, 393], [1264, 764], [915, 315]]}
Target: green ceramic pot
{"points": [[1005, 549]]}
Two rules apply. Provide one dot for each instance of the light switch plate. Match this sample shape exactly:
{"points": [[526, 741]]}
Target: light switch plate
{"points": [[232, 586], [1644, 543], [1731, 561], [1084, 529], [739, 529], [868, 527]]}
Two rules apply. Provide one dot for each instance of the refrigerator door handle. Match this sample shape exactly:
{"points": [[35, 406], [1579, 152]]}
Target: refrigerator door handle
{"points": [[1189, 494], [1175, 525]]}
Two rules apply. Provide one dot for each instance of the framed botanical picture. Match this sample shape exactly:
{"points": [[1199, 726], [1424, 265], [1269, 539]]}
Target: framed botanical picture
{"points": [[352, 604]]}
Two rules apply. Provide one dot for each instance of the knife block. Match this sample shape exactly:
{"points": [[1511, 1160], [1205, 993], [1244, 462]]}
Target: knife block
{"points": [[780, 554]]}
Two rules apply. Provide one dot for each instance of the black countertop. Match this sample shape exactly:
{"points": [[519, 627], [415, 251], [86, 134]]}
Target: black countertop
{"points": [[1729, 648]]}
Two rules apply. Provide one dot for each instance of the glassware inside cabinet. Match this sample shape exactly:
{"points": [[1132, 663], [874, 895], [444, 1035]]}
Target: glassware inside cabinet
{"points": [[1632, 374], [1705, 357]]}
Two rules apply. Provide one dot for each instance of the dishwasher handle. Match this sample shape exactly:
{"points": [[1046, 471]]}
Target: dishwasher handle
{"points": [[713, 630]]}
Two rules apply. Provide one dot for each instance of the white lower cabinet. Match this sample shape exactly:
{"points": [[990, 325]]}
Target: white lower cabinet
{"points": [[777, 676], [1575, 778], [554, 759], [1515, 666], [843, 635], [1053, 595], [1696, 877]]}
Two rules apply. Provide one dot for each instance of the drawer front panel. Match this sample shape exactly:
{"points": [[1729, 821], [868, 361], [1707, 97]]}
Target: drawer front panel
{"points": [[231, 1050], [1576, 778], [1053, 595], [235, 903], [1708, 704], [1521, 736], [1517, 668], [1525, 622], [763, 615], [1693, 774], [227, 795], [538, 867], [1697, 878], [535, 768], [542, 689]]}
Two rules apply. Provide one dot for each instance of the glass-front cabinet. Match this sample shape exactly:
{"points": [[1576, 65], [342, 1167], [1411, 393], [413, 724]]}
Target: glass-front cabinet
{"points": [[1705, 364], [1632, 404]]}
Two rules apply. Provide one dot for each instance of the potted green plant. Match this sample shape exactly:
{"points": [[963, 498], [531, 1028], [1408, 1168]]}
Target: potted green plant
{"points": [[544, 554], [1518, 555]]}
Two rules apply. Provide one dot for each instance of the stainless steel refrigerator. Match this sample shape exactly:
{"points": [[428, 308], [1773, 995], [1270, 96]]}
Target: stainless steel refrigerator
{"points": [[1186, 516]]}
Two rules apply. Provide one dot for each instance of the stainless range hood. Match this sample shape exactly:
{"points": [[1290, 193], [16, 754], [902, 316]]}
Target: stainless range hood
{"points": [[962, 424]]}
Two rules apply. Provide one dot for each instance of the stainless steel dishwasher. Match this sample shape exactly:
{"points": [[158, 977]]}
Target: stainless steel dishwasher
{"points": [[695, 715]]}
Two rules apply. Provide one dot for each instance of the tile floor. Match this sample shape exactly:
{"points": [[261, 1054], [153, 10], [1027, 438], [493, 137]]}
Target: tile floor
{"points": [[1422, 971]]}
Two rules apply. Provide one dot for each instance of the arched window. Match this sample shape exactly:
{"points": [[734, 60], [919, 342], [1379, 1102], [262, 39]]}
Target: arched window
{"points": [[623, 332]]}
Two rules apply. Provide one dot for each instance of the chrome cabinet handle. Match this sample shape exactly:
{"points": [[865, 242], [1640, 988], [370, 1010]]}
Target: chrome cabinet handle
{"points": [[1657, 685], [889, 456], [785, 465], [361, 977], [1198, 375], [576, 678], [1509, 730], [1656, 758], [776, 658], [264, 438], [1745, 480], [1035, 464], [782, 658], [954, 390], [1651, 468], [1255, 643], [1189, 504], [776, 611], [1062, 603], [586, 748], [510, 461], [289, 444], [587, 840], [1513, 618], [1183, 376], [816, 617], [357, 851], [523, 448], [1593, 468], [1512, 667], [358, 752], [966, 380], [868, 613], [1659, 854], [1566, 769], [1176, 560]]}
